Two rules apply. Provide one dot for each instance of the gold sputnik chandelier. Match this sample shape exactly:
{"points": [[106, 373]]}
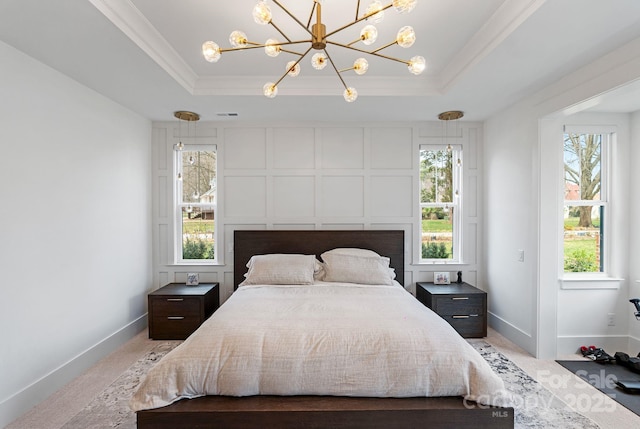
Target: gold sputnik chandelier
{"points": [[319, 41]]}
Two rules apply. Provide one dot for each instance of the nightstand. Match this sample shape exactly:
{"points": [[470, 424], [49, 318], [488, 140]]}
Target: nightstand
{"points": [[460, 304], [176, 310]]}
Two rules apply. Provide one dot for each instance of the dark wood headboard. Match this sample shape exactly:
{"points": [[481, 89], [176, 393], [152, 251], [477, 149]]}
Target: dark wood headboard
{"points": [[249, 243]]}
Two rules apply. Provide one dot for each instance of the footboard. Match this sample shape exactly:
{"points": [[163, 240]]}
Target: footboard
{"points": [[260, 412]]}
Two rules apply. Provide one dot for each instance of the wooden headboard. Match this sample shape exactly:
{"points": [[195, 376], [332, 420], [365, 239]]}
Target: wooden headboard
{"points": [[249, 243]]}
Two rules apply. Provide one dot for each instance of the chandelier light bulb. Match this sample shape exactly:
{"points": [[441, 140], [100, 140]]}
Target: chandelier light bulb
{"points": [[319, 61], [417, 65], [192, 160], [196, 195], [179, 176], [272, 47], [375, 8], [369, 34], [350, 95], [262, 13], [406, 36], [179, 146], [293, 68], [404, 6], [238, 39], [360, 66], [211, 51], [270, 90]]}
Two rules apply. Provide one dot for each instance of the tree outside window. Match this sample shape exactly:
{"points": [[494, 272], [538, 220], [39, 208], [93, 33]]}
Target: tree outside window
{"points": [[439, 202], [196, 204], [584, 202]]}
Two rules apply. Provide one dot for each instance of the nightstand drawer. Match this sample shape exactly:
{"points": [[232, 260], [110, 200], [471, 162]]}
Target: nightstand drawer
{"points": [[459, 305], [174, 327], [467, 325], [164, 307]]}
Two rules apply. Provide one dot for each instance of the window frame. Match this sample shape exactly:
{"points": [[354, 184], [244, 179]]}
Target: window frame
{"points": [[457, 204], [179, 205], [608, 137]]}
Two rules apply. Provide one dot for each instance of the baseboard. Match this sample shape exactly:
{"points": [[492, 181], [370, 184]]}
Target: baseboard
{"points": [[634, 344], [32, 395], [610, 343], [512, 333]]}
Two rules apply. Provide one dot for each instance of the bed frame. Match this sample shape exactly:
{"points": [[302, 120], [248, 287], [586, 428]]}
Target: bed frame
{"points": [[284, 412]]}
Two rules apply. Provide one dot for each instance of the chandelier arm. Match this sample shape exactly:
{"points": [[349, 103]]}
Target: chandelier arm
{"points": [[292, 16], [313, 8], [263, 45], [289, 69], [293, 52], [336, 69], [279, 31], [357, 9], [385, 46], [369, 52], [358, 20]]}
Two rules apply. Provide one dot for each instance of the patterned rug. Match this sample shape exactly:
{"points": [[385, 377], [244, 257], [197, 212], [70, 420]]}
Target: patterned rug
{"points": [[535, 407]]}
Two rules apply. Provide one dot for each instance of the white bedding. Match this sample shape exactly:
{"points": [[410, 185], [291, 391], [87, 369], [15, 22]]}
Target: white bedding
{"points": [[336, 339]]}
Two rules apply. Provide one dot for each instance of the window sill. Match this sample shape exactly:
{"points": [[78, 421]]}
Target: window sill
{"points": [[196, 264], [590, 282], [435, 262]]}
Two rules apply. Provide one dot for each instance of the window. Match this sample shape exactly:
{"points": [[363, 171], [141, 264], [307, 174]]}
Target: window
{"points": [[196, 204], [440, 196], [585, 201]]}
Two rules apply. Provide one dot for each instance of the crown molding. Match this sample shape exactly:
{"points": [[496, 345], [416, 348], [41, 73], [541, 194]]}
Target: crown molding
{"points": [[507, 18], [124, 15]]}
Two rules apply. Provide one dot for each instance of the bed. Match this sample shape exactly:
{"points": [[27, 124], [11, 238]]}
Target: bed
{"points": [[361, 394]]}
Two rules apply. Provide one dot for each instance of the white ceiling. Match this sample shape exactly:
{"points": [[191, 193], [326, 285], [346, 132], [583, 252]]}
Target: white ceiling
{"points": [[482, 55]]}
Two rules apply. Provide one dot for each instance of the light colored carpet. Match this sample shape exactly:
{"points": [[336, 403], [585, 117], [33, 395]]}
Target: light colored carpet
{"points": [[110, 380]]}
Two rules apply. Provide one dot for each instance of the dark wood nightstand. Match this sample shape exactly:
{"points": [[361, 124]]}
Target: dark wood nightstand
{"points": [[176, 310], [460, 304]]}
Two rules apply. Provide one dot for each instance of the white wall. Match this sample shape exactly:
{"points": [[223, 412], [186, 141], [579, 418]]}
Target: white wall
{"points": [[517, 183], [510, 213], [316, 176], [75, 247]]}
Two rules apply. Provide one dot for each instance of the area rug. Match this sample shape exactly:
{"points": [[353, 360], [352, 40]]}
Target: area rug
{"points": [[535, 407], [603, 377]]}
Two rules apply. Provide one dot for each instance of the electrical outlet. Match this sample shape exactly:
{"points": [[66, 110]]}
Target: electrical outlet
{"points": [[611, 318]]}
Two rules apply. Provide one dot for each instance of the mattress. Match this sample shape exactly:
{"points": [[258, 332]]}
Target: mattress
{"points": [[339, 339]]}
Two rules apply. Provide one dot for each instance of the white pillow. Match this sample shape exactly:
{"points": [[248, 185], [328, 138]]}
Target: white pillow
{"points": [[347, 268], [281, 269], [355, 251]]}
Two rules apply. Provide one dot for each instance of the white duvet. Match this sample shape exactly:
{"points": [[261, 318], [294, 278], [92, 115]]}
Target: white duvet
{"points": [[336, 339]]}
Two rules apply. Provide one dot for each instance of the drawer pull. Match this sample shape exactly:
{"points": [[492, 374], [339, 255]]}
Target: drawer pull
{"points": [[459, 298], [175, 317], [461, 317], [175, 299]]}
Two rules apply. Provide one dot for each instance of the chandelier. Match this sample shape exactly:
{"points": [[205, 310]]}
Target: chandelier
{"points": [[320, 39]]}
